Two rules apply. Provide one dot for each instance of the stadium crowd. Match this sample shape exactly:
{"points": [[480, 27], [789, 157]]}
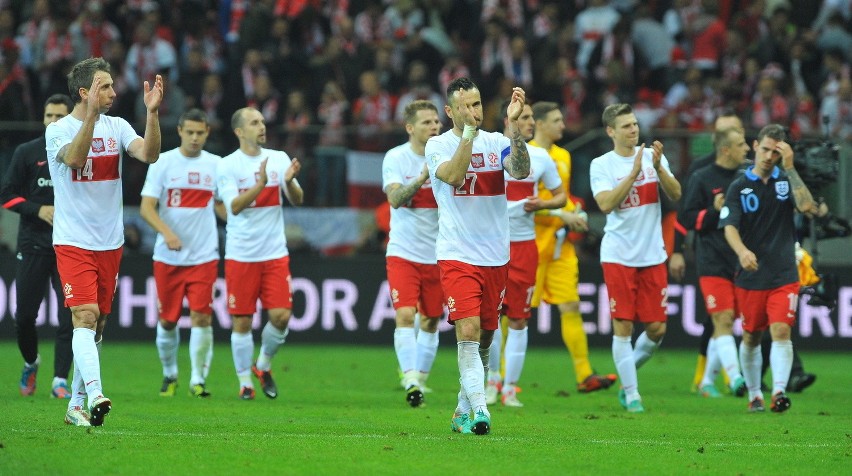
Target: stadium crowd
{"points": [[336, 75]]}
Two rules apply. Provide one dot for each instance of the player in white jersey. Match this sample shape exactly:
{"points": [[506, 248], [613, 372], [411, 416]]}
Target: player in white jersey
{"points": [[625, 183], [523, 201], [84, 152], [257, 264], [466, 169], [412, 268], [178, 202]]}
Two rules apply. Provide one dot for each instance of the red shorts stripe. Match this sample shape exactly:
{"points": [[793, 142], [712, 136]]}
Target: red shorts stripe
{"points": [[473, 291], [268, 281], [762, 308], [88, 277], [176, 282], [415, 285], [523, 263], [718, 294], [637, 294]]}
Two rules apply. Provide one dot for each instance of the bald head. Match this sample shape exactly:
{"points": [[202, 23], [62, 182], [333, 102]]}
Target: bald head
{"points": [[728, 122]]}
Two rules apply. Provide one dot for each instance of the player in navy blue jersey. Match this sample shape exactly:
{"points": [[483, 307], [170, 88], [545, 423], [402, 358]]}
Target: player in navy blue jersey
{"points": [[716, 263], [758, 223]]}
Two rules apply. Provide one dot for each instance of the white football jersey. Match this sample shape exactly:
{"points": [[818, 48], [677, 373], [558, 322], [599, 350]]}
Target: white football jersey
{"points": [[633, 234], [184, 188], [414, 225], [89, 212], [542, 169], [473, 218], [257, 233]]}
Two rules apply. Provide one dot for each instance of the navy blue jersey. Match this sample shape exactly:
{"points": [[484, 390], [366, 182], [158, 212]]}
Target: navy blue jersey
{"points": [[714, 257], [763, 214], [25, 188]]}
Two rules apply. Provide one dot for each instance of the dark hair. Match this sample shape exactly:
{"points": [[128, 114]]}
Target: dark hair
{"points": [[614, 110], [194, 114], [773, 131], [542, 108], [419, 105], [459, 83], [82, 75], [60, 99]]}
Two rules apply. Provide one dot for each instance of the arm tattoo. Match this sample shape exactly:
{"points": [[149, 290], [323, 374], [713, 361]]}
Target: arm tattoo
{"points": [[519, 158], [801, 194], [402, 194]]}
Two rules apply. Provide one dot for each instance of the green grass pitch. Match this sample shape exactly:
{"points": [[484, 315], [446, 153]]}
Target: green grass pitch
{"points": [[341, 410]]}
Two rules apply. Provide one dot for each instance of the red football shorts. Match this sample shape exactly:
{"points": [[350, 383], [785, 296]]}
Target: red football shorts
{"points": [[268, 281], [718, 294], [765, 307], [415, 285], [523, 261], [88, 277], [473, 291], [637, 294], [174, 282]]}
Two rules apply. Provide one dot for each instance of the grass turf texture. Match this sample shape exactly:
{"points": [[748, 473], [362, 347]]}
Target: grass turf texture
{"points": [[341, 410]]}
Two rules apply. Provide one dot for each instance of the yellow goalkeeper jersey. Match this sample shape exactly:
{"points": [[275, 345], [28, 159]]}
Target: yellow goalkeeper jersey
{"points": [[562, 158]]}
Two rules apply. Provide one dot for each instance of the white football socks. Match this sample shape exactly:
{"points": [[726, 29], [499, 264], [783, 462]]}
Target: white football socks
{"points": [[750, 361], [200, 347], [711, 368], [781, 361], [167, 346], [472, 374], [644, 349], [625, 365], [726, 349], [242, 348], [86, 358], [271, 339], [516, 352], [405, 345], [427, 349]]}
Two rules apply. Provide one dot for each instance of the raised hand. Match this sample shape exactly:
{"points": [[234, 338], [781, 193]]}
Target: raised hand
{"points": [[153, 96], [516, 105], [93, 101], [637, 161], [261, 176], [658, 154], [786, 152], [292, 170]]}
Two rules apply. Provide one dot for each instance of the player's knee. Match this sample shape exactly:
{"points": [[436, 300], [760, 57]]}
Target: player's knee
{"points": [[280, 317], [656, 331], [405, 317], [85, 316], [200, 320], [780, 331], [517, 324], [429, 324], [167, 325], [241, 324]]}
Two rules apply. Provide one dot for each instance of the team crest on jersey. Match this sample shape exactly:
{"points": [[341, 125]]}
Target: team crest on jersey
{"points": [[611, 305], [194, 178], [112, 145], [395, 295], [98, 145], [69, 293], [208, 180], [492, 159], [451, 304], [711, 302], [232, 301], [782, 190], [477, 161], [273, 176]]}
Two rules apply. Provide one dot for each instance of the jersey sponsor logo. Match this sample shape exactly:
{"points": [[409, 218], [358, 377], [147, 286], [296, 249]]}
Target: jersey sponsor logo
{"points": [[43, 182], [188, 198], [482, 184], [423, 198], [97, 169], [477, 161], [98, 145], [194, 178], [517, 191], [174, 179], [746, 191], [640, 195], [782, 190]]}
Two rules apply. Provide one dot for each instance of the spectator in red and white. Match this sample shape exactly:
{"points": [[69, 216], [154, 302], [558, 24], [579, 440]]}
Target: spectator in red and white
{"points": [[94, 30], [518, 65], [200, 34], [546, 21], [372, 115], [419, 87], [32, 29], [148, 54], [372, 26], [54, 53], [838, 108], [296, 118], [707, 37], [509, 12], [769, 104], [590, 26], [453, 68], [330, 152], [654, 46], [495, 48], [252, 68], [834, 69], [697, 111], [615, 47], [266, 99], [343, 58], [405, 18]]}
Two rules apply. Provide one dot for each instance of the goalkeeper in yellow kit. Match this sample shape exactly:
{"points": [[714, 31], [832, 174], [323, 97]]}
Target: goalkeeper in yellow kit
{"points": [[557, 275]]}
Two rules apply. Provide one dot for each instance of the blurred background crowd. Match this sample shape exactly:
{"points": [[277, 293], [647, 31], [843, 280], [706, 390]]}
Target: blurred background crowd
{"points": [[333, 76]]}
